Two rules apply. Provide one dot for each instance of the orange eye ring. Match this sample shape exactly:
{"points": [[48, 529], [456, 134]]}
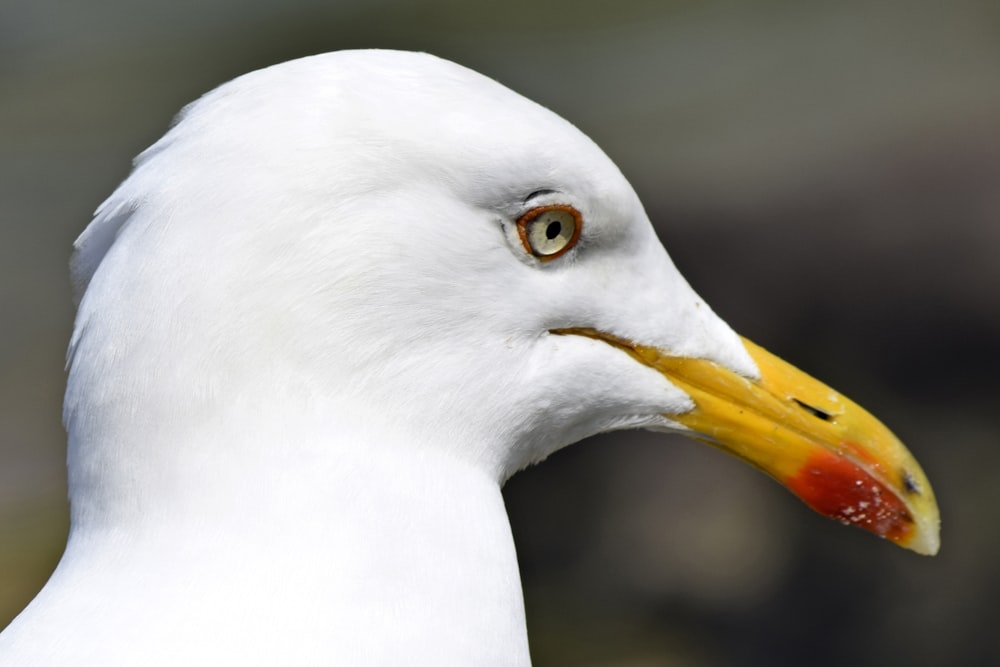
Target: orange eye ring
{"points": [[548, 232]]}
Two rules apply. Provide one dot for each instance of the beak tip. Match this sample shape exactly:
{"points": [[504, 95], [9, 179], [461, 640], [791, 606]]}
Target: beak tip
{"points": [[926, 539], [838, 487]]}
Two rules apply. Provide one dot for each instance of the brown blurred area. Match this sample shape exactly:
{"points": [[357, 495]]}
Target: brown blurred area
{"points": [[827, 176]]}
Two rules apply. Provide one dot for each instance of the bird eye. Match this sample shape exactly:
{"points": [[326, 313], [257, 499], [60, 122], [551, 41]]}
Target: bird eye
{"points": [[549, 231]]}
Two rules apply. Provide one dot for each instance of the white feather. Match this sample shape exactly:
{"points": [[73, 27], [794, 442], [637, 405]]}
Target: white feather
{"points": [[309, 350]]}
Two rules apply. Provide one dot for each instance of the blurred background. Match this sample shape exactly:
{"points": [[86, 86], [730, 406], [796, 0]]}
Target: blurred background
{"points": [[827, 175]]}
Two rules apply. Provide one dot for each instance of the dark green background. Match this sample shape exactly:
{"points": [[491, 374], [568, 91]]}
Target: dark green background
{"points": [[827, 175]]}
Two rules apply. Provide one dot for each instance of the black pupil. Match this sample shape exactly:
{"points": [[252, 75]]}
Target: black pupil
{"points": [[553, 230]]}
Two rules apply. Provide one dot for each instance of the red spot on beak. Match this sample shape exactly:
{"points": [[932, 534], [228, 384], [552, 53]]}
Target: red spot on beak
{"points": [[841, 489]]}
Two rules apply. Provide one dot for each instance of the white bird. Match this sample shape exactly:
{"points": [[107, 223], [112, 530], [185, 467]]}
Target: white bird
{"points": [[325, 318]]}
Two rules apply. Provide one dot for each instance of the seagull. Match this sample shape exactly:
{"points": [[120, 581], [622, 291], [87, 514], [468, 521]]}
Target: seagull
{"points": [[324, 319]]}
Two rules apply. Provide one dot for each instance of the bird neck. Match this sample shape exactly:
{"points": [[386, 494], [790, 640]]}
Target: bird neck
{"points": [[346, 548]]}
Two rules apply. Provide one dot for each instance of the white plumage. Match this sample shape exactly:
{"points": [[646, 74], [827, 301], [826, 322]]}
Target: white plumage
{"points": [[310, 347]]}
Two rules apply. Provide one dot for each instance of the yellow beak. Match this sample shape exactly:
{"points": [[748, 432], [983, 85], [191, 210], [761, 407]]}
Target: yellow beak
{"points": [[823, 447]]}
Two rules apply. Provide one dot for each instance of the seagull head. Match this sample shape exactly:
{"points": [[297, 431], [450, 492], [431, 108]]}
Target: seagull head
{"points": [[392, 247]]}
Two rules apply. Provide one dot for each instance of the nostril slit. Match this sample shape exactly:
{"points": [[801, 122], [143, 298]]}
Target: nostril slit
{"points": [[815, 412]]}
